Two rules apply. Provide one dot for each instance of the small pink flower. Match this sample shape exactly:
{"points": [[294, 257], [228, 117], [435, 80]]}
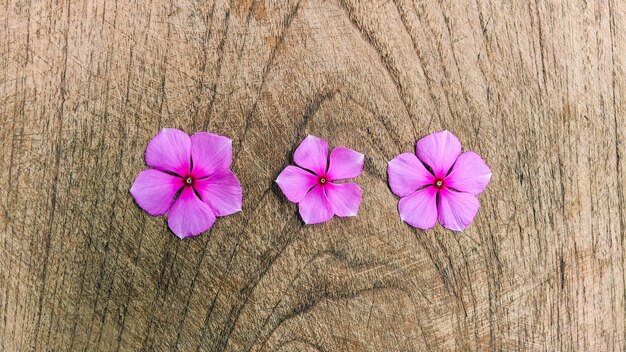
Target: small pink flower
{"points": [[312, 184], [198, 167], [439, 183]]}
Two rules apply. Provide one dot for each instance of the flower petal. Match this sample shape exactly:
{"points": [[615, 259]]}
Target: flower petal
{"points": [[344, 163], [295, 183], [154, 191], [439, 151], [419, 209], [170, 150], [469, 174], [456, 209], [221, 191], [312, 154], [344, 198], [210, 152], [314, 208], [189, 216], [406, 174]]}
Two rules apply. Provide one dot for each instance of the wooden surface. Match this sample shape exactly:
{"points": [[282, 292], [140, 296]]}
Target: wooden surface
{"points": [[537, 88]]}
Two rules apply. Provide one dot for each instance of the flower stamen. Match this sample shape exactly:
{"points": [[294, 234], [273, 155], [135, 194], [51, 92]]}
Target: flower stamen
{"points": [[323, 180], [189, 181], [439, 183]]}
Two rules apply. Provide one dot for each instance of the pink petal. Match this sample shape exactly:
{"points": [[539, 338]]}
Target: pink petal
{"points": [[344, 198], [312, 154], [420, 208], [221, 191], [456, 209], [406, 174], [344, 163], [210, 153], [170, 150], [439, 151], [314, 208], [154, 191], [189, 216], [295, 183], [469, 174]]}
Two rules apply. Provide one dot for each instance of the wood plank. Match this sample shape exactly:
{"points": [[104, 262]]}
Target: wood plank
{"points": [[537, 88]]}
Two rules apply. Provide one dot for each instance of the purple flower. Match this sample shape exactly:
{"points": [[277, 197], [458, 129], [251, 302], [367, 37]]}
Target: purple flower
{"points": [[312, 184], [198, 167], [439, 182]]}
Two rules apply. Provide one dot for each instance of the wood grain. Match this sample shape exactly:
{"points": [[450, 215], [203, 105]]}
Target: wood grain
{"points": [[537, 88]]}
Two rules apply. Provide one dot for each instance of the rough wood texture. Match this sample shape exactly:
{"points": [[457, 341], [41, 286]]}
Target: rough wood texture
{"points": [[537, 88]]}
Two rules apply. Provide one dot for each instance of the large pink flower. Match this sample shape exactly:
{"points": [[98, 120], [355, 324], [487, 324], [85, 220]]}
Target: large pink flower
{"points": [[439, 182], [312, 184], [198, 167]]}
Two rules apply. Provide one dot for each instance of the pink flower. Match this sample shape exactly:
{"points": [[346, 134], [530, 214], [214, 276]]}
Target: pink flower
{"points": [[439, 183], [198, 167], [312, 185]]}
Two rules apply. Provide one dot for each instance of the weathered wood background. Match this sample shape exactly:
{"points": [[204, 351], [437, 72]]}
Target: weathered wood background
{"points": [[537, 88]]}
